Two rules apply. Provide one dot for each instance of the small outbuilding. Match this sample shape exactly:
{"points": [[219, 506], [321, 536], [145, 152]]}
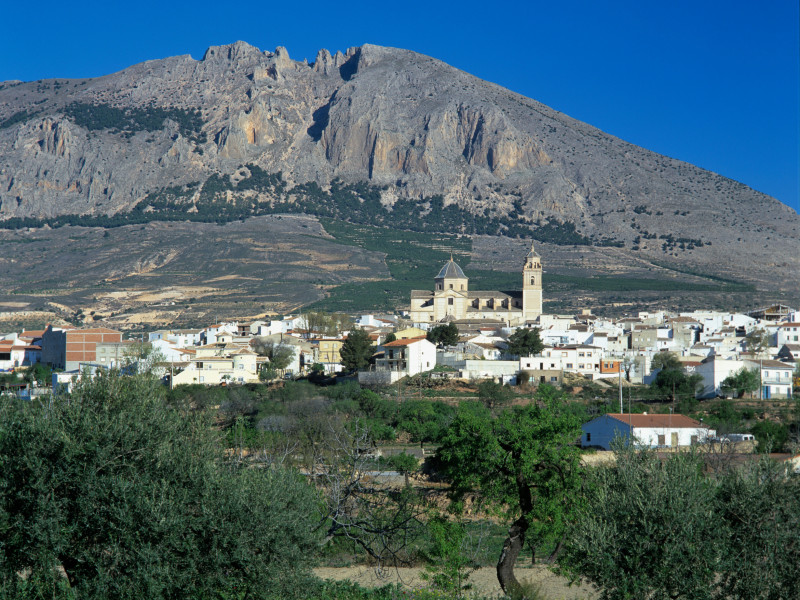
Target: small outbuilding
{"points": [[654, 431]]}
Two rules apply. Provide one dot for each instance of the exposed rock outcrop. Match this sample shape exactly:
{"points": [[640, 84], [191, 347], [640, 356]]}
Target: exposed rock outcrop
{"points": [[406, 122]]}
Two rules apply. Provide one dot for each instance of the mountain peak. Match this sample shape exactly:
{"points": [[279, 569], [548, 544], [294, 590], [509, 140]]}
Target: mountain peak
{"points": [[231, 52], [422, 132]]}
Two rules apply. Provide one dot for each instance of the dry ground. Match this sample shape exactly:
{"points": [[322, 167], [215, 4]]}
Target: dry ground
{"points": [[175, 274], [484, 580]]}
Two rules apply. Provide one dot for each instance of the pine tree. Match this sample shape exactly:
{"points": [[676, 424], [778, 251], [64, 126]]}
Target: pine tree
{"points": [[356, 350]]}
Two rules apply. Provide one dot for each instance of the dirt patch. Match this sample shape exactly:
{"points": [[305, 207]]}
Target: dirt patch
{"points": [[484, 580]]}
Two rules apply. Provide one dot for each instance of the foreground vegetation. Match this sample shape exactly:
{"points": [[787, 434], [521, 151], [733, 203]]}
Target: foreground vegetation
{"points": [[126, 490]]}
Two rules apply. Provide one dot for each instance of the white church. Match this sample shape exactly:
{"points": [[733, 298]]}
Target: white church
{"points": [[452, 300]]}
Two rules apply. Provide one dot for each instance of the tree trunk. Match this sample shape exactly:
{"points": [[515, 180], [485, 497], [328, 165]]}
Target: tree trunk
{"points": [[508, 557]]}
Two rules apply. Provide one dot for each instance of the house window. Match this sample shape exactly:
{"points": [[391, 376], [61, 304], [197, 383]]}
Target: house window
{"points": [[581, 354], [588, 437], [241, 366], [202, 379], [569, 365], [451, 286], [450, 302], [554, 379]]}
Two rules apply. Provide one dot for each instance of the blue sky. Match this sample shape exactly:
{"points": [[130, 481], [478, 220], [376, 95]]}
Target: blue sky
{"points": [[714, 83]]}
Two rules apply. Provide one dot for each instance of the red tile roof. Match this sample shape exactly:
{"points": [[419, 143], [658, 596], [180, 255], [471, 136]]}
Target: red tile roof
{"points": [[671, 421], [400, 343], [32, 333]]}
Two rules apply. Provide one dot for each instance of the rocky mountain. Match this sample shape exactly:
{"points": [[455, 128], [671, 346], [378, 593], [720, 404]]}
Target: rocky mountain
{"points": [[377, 135]]}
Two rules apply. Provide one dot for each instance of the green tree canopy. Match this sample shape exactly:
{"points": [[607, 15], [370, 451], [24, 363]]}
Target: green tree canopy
{"points": [[673, 382], [41, 374], [665, 360], [423, 420], [494, 394], [645, 531], [741, 382], [134, 499], [525, 342], [356, 350], [444, 335], [523, 464], [280, 355], [403, 463], [661, 529]]}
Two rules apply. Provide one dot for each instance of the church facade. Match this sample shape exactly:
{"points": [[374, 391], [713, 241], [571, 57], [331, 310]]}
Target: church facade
{"points": [[452, 300]]}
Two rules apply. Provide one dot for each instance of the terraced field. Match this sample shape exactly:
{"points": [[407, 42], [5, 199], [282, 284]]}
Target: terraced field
{"points": [[185, 274]]}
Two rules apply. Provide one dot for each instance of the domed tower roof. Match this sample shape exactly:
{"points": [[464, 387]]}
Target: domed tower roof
{"points": [[451, 271], [532, 253]]}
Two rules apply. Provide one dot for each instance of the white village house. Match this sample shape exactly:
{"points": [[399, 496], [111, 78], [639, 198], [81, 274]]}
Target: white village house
{"points": [[654, 431], [401, 358]]}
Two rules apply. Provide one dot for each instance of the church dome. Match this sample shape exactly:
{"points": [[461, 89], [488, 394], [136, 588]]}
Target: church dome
{"points": [[451, 271]]}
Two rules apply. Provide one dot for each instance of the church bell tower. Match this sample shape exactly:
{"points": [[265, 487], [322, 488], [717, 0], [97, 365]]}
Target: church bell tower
{"points": [[532, 286]]}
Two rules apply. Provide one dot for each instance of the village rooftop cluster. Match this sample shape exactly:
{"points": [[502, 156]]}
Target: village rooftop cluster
{"points": [[711, 344]]}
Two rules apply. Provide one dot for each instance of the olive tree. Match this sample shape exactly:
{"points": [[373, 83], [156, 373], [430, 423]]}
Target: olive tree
{"points": [[758, 508], [662, 529], [523, 465], [646, 530], [110, 493]]}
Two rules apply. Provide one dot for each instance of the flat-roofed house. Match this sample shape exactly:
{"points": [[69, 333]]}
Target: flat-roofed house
{"points": [[776, 378], [67, 348], [410, 356], [788, 333]]}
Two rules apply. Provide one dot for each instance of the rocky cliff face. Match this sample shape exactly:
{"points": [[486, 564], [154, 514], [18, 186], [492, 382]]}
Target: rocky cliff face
{"points": [[406, 122]]}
